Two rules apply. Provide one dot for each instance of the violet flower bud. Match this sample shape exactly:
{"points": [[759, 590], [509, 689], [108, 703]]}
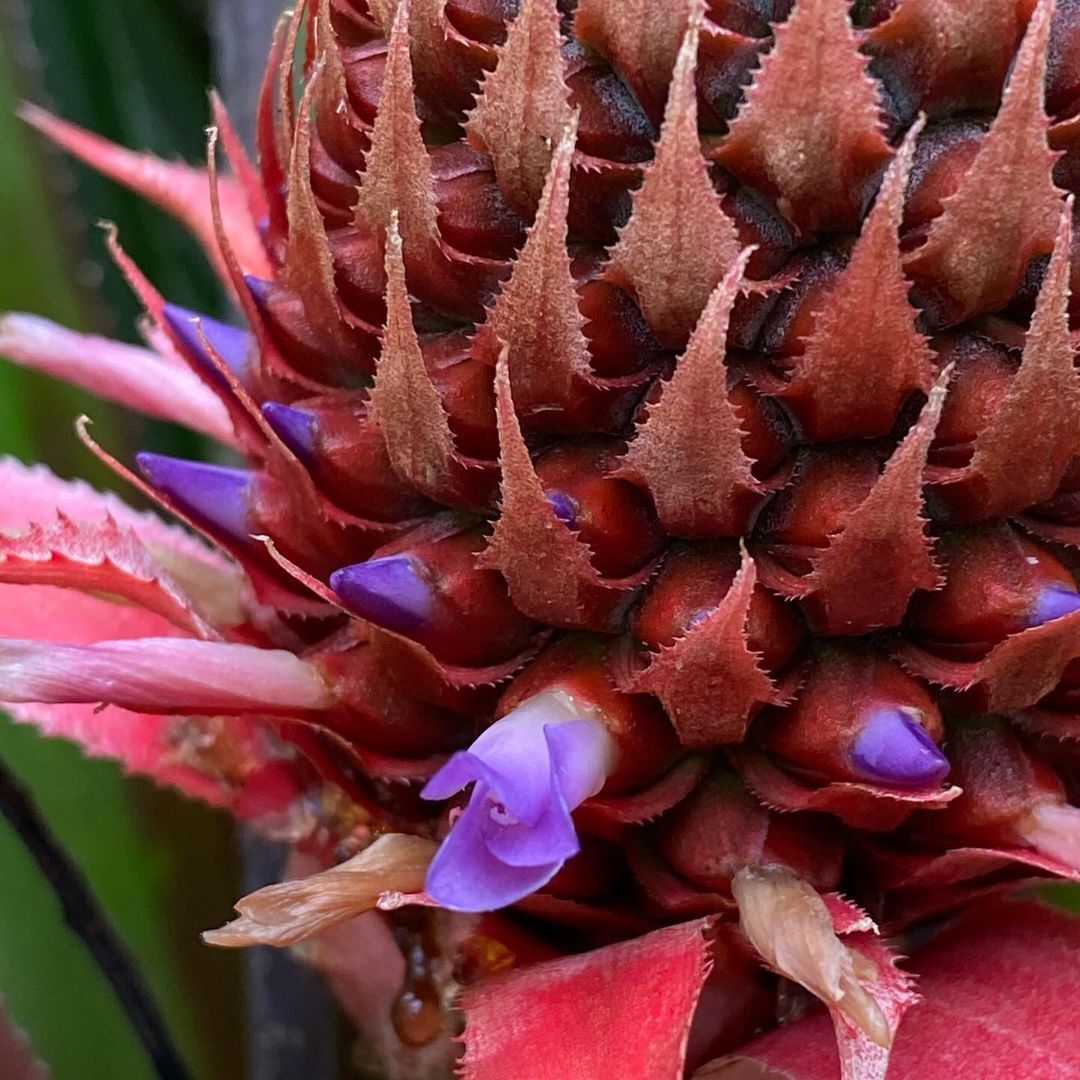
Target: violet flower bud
{"points": [[232, 344], [218, 495], [530, 770]]}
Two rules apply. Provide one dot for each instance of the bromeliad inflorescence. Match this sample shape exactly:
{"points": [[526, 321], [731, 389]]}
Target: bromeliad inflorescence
{"points": [[661, 417]]}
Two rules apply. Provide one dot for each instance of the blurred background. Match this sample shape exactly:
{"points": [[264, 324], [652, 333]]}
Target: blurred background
{"points": [[137, 71]]}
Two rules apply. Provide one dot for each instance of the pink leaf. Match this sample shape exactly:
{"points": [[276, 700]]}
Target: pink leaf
{"points": [[136, 378], [624, 1011]]}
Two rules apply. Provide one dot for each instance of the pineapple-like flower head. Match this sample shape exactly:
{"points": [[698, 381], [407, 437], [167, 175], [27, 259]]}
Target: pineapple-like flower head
{"points": [[639, 555]]}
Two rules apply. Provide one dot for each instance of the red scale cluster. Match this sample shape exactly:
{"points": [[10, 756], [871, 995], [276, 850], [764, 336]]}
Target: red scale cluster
{"points": [[713, 363]]}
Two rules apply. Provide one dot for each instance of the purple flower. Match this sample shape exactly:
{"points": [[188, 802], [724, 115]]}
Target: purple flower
{"points": [[530, 769]]}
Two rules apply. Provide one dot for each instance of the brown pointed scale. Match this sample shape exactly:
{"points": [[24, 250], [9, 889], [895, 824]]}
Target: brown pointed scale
{"points": [[865, 334], [536, 314], [678, 242], [950, 55], [1005, 211], [523, 107], [409, 411], [397, 173], [709, 680], [688, 452], [808, 133], [547, 568], [308, 269], [1022, 454], [864, 579], [641, 38]]}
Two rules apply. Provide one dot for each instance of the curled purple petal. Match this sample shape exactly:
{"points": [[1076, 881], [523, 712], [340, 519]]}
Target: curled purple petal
{"points": [[531, 769], [565, 507], [895, 749], [466, 876]]}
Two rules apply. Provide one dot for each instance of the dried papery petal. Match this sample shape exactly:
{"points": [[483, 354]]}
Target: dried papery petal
{"points": [[1053, 829], [641, 39], [678, 243], [865, 332], [135, 377], [688, 452], [974, 257], [161, 675], [409, 410], [293, 911], [1021, 455], [177, 188], [523, 107], [808, 132], [791, 927], [585, 1012]]}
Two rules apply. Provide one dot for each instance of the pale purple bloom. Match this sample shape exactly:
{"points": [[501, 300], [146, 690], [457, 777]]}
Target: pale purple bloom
{"points": [[530, 769]]}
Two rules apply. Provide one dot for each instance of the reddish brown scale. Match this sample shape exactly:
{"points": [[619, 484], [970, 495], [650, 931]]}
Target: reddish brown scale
{"points": [[943, 155], [614, 518], [612, 126], [726, 62], [333, 184], [358, 273], [983, 372], [1001, 779], [620, 341], [482, 20], [376, 712], [467, 391], [694, 578], [943, 57], [291, 330], [645, 742], [722, 828], [464, 596], [474, 217], [1064, 507], [1063, 61], [843, 688], [994, 577], [351, 465], [365, 66], [752, 17], [828, 487], [758, 225], [791, 319]]}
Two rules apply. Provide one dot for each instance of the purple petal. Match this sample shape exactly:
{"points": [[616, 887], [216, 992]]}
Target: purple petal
{"points": [[552, 839], [581, 758], [232, 344], [392, 591], [1054, 601], [219, 495], [565, 507], [895, 749], [294, 427], [466, 876]]}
